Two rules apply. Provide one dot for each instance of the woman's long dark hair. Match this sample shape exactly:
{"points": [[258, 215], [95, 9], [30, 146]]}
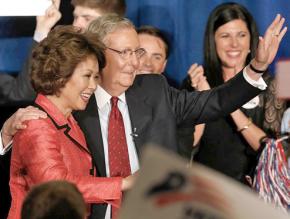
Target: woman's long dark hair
{"points": [[221, 15]]}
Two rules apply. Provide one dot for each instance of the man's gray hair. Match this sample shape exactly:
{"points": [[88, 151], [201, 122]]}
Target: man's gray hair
{"points": [[106, 24]]}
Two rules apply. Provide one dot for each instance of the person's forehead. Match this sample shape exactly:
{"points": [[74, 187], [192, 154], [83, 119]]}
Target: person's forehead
{"points": [[85, 11], [147, 39], [125, 37], [233, 25]]}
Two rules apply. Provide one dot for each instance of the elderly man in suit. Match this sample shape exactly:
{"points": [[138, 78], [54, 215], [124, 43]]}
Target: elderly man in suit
{"points": [[142, 109], [150, 108]]}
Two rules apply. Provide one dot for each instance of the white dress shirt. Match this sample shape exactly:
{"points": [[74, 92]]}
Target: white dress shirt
{"points": [[3, 149], [104, 109], [260, 83]]}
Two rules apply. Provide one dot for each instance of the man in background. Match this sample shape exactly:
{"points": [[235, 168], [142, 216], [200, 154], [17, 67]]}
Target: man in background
{"points": [[154, 61], [156, 45]]}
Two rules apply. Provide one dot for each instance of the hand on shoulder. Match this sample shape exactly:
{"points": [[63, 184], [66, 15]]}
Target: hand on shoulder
{"points": [[16, 121]]}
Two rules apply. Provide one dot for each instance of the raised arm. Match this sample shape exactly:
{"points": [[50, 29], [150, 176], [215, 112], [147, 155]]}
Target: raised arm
{"points": [[46, 22], [267, 48], [19, 90]]}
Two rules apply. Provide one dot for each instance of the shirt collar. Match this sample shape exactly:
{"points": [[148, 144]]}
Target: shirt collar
{"points": [[103, 97]]}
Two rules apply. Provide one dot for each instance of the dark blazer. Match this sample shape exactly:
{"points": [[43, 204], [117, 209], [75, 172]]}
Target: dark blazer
{"points": [[156, 109], [15, 91]]}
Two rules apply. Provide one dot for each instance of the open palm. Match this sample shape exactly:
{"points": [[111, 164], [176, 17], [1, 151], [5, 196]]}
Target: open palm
{"points": [[269, 44]]}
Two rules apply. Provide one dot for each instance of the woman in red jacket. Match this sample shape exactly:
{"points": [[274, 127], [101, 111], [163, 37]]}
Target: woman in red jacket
{"points": [[64, 73]]}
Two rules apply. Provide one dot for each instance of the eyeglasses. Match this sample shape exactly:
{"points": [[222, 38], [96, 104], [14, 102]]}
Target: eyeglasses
{"points": [[127, 53]]}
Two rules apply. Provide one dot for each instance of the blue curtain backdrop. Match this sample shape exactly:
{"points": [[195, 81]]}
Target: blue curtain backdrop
{"points": [[183, 20]]}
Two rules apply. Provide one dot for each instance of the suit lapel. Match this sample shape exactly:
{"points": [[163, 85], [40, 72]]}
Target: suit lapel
{"points": [[74, 133], [90, 124], [140, 114]]}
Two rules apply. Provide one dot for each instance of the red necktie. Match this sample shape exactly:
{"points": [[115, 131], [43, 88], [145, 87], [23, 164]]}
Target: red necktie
{"points": [[118, 150]]}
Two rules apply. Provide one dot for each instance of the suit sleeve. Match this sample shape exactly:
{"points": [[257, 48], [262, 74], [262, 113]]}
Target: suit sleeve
{"points": [[205, 106], [40, 152], [17, 90]]}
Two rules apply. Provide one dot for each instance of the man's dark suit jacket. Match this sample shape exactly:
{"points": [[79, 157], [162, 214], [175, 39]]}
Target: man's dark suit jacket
{"points": [[156, 109], [18, 91]]}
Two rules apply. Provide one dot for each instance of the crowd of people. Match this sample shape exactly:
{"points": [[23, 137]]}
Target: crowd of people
{"points": [[97, 97]]}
